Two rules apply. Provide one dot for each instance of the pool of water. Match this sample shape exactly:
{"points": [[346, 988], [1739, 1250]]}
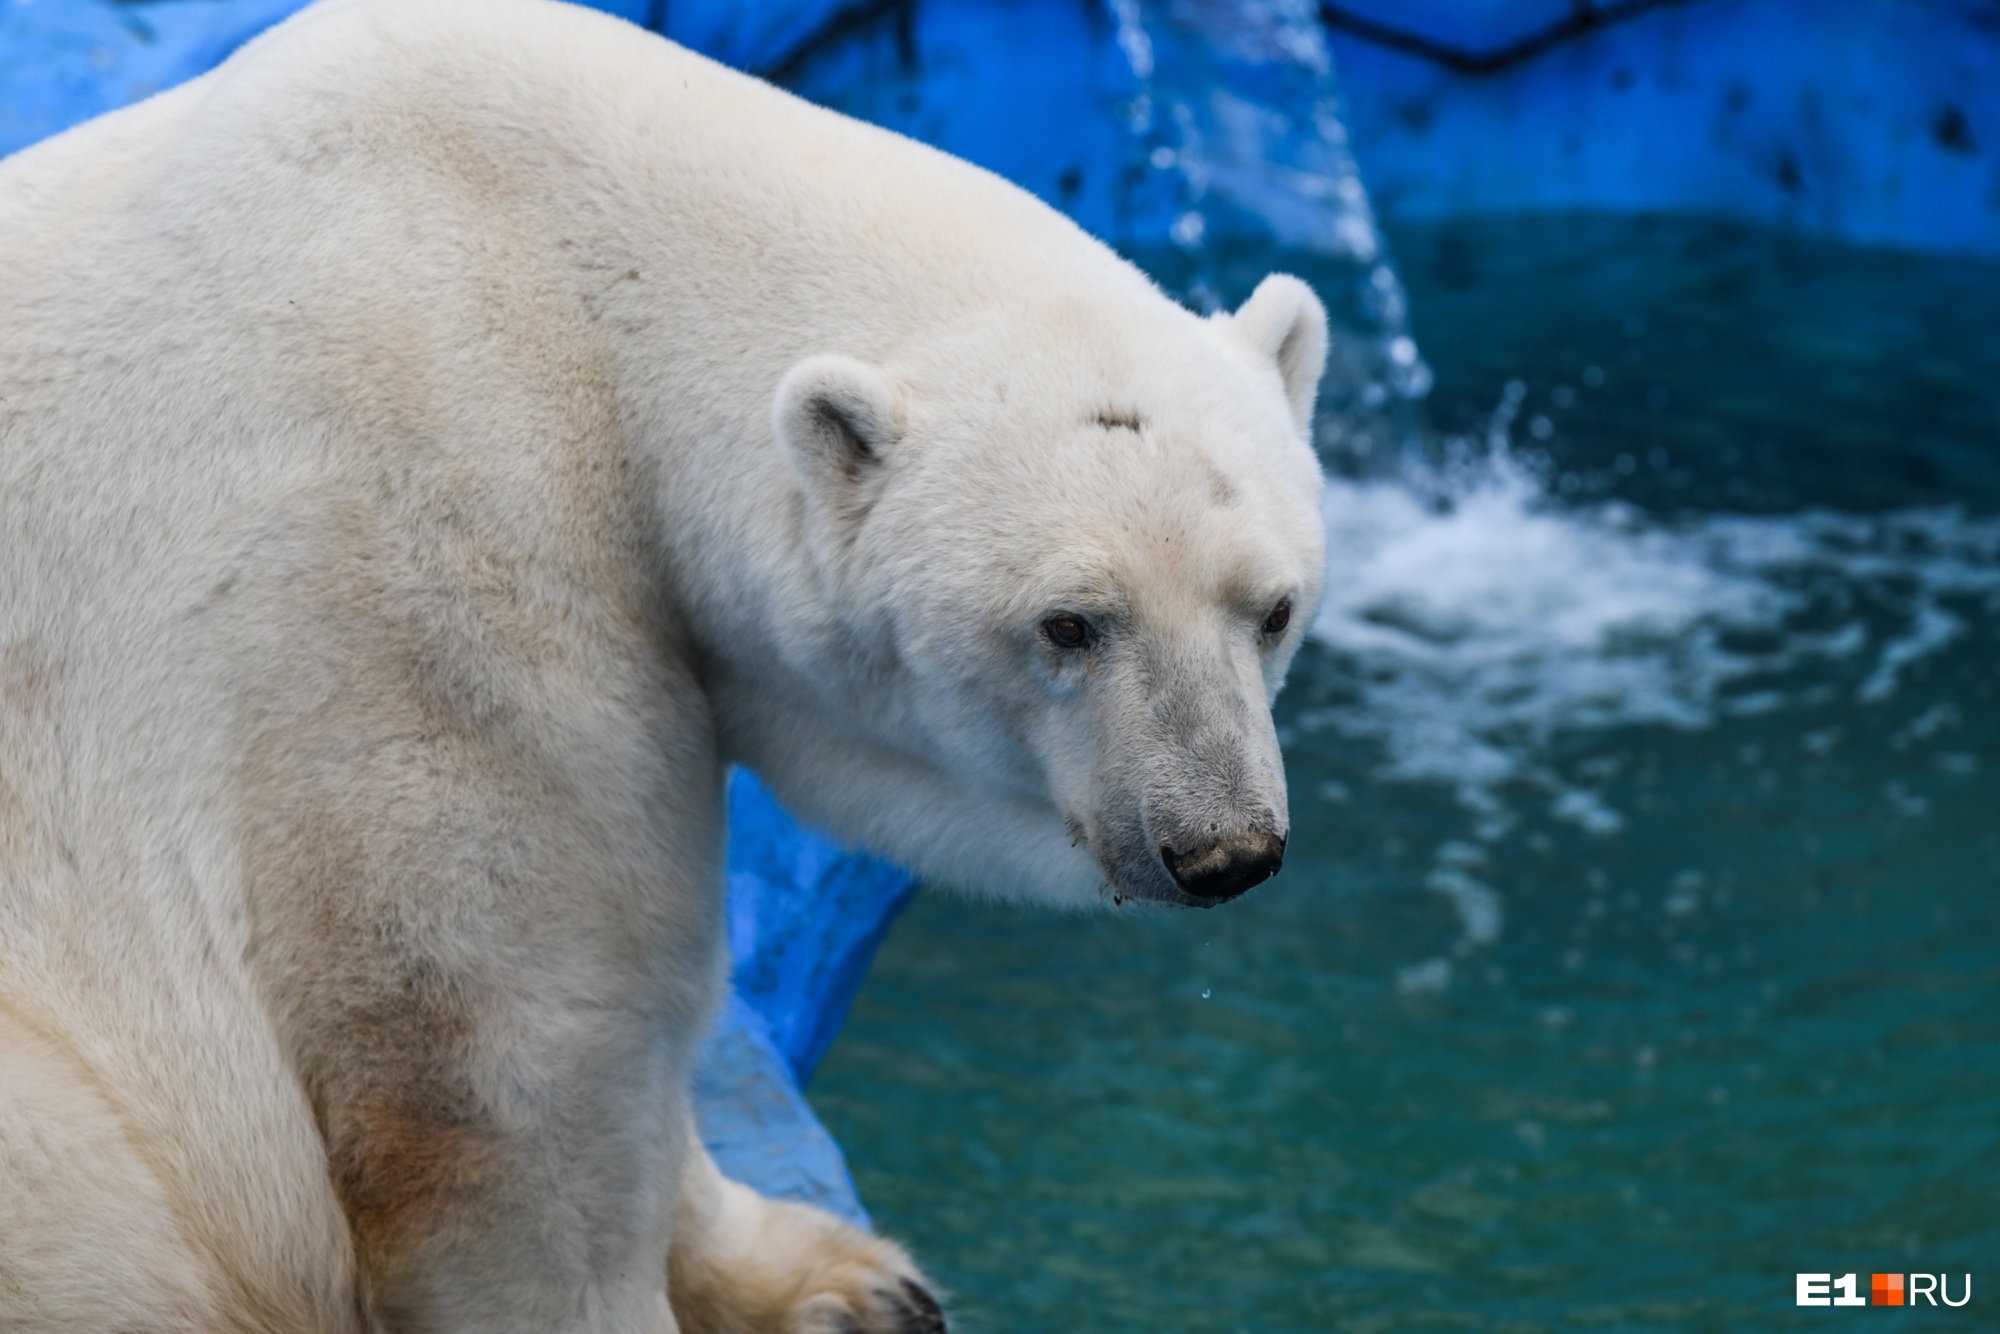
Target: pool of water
{"points": [[1639, 944]]}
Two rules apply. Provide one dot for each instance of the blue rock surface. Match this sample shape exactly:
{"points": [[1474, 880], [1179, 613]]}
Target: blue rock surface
{"points": [[757, 1124], [1854, 120], [805, 917], [64, 61]]}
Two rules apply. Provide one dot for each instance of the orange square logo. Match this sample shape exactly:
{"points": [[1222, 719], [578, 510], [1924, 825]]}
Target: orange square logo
{"points": [[1888, 1289]]}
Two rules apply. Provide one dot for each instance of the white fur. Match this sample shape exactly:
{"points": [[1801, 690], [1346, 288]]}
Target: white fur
{"points": [[432, 446]]}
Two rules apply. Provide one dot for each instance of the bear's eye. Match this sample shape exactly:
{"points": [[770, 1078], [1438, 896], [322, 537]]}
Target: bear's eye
{"points": [[1067, 631], [1280, 617]]}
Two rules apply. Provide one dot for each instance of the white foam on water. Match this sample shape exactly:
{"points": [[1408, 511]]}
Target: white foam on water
{"points": [[1481, 620], [1491, 620]]}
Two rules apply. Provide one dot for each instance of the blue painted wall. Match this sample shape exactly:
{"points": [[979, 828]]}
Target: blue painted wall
{"points": [[1870, 120], [1866, 120]]}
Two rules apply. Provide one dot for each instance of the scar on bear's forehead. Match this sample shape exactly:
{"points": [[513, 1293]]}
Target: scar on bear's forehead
{"points": [[1120, 419]]}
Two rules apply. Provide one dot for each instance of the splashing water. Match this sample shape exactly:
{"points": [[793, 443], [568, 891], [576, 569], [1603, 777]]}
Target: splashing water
{"points": [[1479, 622]]}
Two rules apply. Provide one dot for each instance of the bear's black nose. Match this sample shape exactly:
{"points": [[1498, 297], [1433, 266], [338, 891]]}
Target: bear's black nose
{"points": [[1217, 872]]}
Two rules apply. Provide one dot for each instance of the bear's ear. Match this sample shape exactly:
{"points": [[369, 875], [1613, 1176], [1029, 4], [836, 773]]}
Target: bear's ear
{"points": [[836, 419], [1284, 320]]}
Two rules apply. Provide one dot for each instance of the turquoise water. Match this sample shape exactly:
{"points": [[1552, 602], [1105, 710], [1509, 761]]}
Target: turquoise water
{"points": [[1638, 946]]}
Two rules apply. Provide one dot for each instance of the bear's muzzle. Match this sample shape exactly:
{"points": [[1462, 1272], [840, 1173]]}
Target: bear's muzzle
{"points": [[1224, 869]]}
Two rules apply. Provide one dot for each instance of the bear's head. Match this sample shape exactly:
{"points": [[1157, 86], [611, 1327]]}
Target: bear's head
{"points": [[1067, 578]]}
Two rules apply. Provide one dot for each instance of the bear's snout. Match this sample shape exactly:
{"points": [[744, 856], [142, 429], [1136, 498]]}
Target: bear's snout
{"points": [[1220, 871]]}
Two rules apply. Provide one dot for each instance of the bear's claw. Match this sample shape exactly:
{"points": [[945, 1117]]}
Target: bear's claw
{"points": [[909, 1309], [917, 1311]]}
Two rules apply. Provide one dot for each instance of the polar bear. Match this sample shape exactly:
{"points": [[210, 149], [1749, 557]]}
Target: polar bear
{"points": [[432, 447]]}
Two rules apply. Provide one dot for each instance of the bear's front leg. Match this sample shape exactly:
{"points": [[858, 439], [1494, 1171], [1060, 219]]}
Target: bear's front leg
{"points": [[505, 1166], [743, 1264]]}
